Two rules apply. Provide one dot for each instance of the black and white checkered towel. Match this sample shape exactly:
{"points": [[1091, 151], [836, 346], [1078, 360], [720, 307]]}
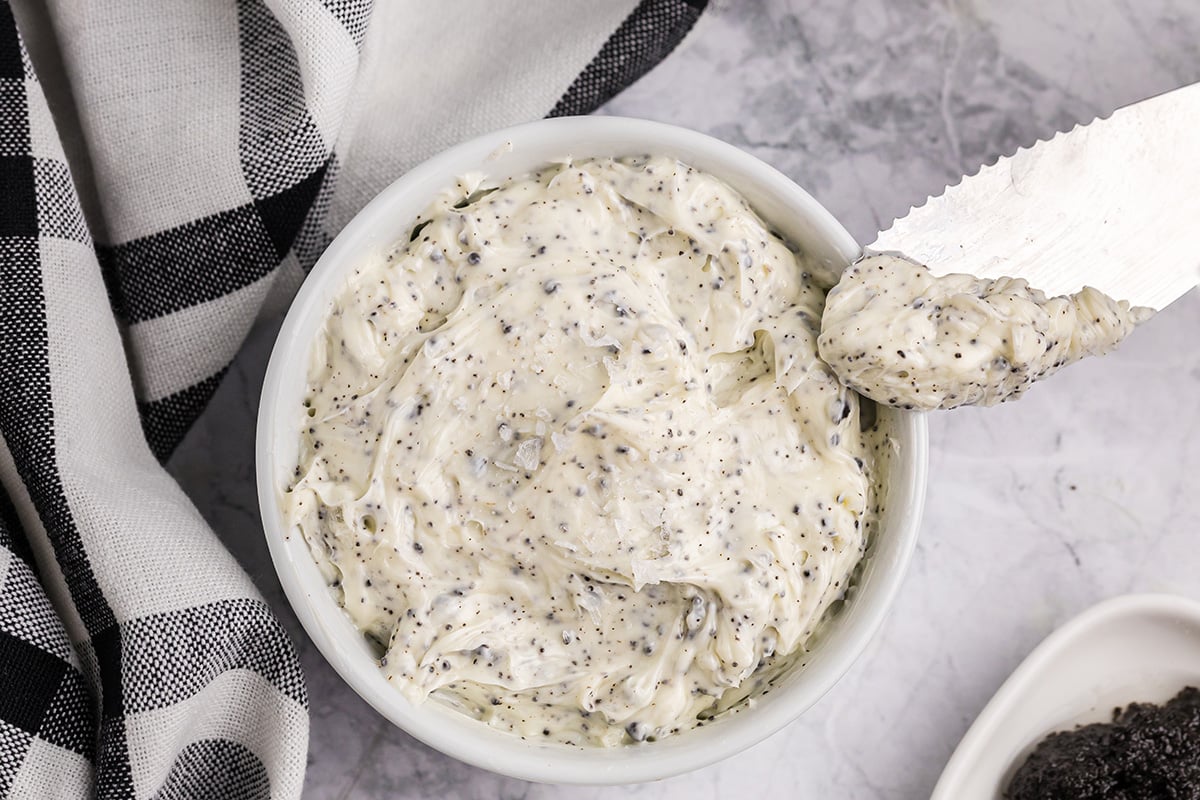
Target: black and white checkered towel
{"points": [[171, 178]]}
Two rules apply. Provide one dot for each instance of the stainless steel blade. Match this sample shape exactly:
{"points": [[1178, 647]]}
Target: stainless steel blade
{"points": [[1114, 204]]}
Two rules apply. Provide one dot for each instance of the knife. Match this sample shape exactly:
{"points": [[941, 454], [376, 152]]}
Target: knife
{"points": [[1113, 204]]}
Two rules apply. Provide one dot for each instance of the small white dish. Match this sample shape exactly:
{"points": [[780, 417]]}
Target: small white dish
{"points": [[1130, 649], [387, 219]]}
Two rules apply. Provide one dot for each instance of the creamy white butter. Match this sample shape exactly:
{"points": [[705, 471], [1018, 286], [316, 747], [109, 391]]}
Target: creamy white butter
{"points": [[905, 338], [572, 459]]}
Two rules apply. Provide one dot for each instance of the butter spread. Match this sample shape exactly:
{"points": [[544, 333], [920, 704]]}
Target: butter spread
{"points": [[571, 459], [905, 338]]}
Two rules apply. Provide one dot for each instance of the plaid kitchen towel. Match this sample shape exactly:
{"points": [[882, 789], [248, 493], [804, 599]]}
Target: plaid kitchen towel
{"points": [[180, 168]]}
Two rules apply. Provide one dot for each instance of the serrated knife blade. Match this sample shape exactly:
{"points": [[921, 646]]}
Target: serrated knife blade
{"points": [[1114, 204]]}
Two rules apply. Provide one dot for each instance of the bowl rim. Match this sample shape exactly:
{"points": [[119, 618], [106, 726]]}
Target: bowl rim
{"points": [[479, 744]]}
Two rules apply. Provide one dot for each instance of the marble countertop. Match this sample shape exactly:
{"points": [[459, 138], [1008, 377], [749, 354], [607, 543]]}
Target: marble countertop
{"points": [[1085, 489]]}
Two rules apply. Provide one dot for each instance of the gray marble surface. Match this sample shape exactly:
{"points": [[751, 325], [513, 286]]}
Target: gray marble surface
{"points": [[1085, 489]]}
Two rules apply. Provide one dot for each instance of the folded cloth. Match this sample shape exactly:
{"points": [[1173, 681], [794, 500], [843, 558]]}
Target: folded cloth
{"points": [[185, 162]]}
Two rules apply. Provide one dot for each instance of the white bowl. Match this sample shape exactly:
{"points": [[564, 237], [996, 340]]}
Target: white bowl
{"points": [[1140, 648], [386, 220]]}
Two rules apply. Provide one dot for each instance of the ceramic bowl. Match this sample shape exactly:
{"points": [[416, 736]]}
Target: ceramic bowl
{"points": [[386, 220], [1139, 648]]}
